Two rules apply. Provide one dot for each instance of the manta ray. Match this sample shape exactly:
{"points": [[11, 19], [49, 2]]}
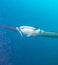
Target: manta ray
{"points": [[30, 31]]}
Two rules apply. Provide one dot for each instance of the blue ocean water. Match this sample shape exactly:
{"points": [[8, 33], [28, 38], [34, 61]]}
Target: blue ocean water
{"points": [[15, 50]]}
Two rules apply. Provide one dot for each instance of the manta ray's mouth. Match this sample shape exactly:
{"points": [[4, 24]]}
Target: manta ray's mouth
{"points": [[19, 30]]}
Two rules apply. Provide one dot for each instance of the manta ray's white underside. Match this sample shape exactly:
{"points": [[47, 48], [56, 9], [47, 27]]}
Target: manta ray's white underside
{"points": [[28, 30], [32, 31]]}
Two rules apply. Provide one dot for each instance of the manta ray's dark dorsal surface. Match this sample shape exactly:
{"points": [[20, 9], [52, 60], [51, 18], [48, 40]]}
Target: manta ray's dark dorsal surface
{"points": [[10, 28]]}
